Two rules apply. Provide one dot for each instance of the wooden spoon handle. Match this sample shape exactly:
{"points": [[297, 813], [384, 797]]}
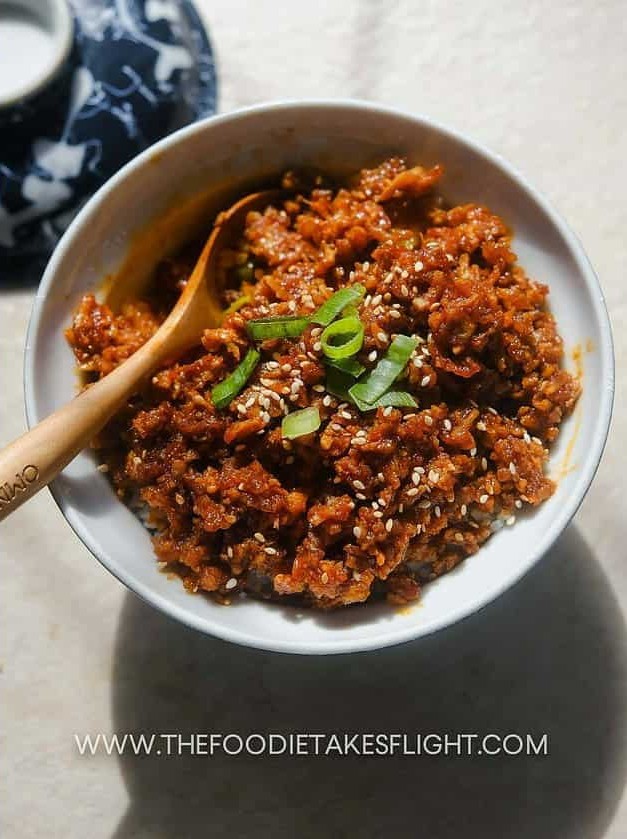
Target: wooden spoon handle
{"points": [[35, 458]]}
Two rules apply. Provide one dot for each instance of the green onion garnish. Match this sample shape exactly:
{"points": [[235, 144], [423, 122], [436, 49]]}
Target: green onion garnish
{"points": [[391, 399], [338, 382], [300, 423], [342, 338], [336, 303], [245, 273], [347, 365], [236, 305], [222, 394], [389, 368], [279, 327]]}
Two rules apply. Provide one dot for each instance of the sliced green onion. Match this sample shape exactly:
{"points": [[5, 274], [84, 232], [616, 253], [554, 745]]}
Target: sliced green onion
{"points": [[236, 305], [279, 327], [391, 399], [397, 399], [336, 303], [342, 338], [223, 393], [350, 311], [300, 423], [338, 382], [245, 273], [348, 365], [389, 368]]}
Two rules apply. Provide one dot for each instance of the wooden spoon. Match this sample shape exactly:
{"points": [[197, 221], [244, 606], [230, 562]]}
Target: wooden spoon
{"points": [[35, 458]]}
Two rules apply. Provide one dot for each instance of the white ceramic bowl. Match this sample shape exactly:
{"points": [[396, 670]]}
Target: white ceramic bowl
{"points": [[35, 42], [254, 143]]}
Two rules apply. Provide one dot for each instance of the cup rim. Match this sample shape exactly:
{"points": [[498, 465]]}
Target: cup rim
{"points": [[403, 634], [62, 31]]}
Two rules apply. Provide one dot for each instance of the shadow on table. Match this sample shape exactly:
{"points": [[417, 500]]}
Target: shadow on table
{"points": [[548, 656]]}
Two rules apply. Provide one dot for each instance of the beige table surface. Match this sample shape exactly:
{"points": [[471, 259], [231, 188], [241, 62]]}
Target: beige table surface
{"points": [[545, 85]]}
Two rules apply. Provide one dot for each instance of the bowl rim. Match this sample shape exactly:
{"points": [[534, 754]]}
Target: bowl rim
{"points": [[402, 634], [56, 13]]}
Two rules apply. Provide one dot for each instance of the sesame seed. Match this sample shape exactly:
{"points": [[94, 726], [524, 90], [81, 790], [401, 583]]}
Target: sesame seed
{"points": [[428, 419], [389, 525], [378, 514], [325, 577], [483, 498], [434, 476], [404, 291], [229, 552], [345, 415], [425, 381], [319, 388], [481, 426], [518, 503], [372, 356], [437, 511], [415, 478], [260, 537], [382, 336], [357, 532], [359, 496], [459, 537], [230, 584], [412, 492], [447, 424], [418, 266], [286, 368], [387, 411], [326, 401], [484, 463], [317, 346], [509, 521], [473, 451], [512, 467], [376, 300], [358, 485], [463, 509]]}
